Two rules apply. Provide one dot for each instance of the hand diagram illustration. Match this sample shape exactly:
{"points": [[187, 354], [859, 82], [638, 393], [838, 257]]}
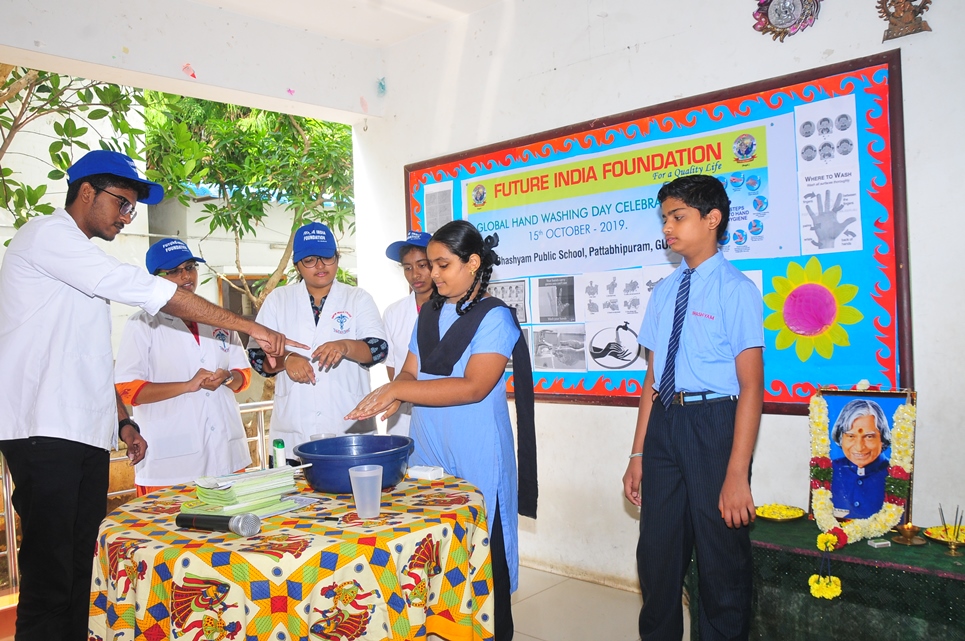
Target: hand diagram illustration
{"points": [[827, 227]]}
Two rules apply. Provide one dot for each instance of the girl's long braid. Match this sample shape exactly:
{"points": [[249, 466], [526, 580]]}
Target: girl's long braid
{"points": [[459, 309], [489, 259], [482, 277]]}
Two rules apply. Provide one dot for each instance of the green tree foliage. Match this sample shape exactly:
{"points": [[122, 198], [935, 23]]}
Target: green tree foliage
{"points": [[72, 105], [254, 157]]}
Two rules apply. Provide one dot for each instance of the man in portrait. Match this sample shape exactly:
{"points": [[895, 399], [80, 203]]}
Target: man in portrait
{"points": [[858, 481]]}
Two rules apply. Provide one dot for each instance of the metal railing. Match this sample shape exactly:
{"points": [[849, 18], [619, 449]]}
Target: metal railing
{"points": [[259, 409]]}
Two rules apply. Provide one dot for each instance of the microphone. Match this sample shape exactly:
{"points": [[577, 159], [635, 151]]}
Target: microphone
{"points": [[241, 524]]}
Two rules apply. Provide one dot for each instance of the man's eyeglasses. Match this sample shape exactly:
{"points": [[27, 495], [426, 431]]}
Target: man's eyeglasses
{"points": [[127, 207], [311, 261], [176, 272]]}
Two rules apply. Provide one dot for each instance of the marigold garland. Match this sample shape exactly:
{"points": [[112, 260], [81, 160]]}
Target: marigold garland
{"points": [[896, 484], [823, 584], [827, 542], [825, 587]]}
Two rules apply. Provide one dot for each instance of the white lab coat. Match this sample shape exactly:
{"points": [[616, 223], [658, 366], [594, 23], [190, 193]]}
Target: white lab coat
{"points": [[55, 331], [400, 319], [194, 434], [302, 409]]}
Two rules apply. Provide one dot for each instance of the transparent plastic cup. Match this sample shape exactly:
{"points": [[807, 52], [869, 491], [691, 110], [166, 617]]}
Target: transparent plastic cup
{"points": [[367, 488]]}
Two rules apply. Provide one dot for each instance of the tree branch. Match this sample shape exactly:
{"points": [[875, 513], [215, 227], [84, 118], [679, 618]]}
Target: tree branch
{"points": [[221, 277], [241, 274], [17, 124], [301, 132], [280, 271], [17, 86]]}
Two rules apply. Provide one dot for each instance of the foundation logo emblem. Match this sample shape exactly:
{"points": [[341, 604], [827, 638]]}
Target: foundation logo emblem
{"points": [[745, 148], [479, 195]]}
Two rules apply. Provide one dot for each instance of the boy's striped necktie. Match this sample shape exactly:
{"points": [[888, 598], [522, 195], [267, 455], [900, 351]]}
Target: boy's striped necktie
{"points": [[668, 385]]}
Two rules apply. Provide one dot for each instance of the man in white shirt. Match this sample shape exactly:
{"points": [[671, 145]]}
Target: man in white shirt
{"points": [[400, 317], [60, 412]]}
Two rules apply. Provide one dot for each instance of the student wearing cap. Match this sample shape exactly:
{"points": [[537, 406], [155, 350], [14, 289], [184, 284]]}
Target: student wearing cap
{"points": [[181, 378], [400, 317], [322, 383], [61, 414]]}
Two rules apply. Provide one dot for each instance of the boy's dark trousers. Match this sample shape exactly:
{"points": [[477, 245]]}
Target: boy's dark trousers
{"points": [[60, 495], [685, 456]]}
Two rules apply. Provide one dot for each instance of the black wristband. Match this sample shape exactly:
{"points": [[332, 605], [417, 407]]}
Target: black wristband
{"points": [[127, 421]]}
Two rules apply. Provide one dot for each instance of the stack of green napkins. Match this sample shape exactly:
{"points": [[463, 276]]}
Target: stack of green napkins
{"points": [[262, 493]]}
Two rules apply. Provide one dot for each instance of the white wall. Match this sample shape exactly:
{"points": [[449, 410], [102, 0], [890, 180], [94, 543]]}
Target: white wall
{"points": [[235, 58], [527, 66]]}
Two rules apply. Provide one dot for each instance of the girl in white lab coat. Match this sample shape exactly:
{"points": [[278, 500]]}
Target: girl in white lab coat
{"points": [[181, 379], [317, 387], [400, 317]]}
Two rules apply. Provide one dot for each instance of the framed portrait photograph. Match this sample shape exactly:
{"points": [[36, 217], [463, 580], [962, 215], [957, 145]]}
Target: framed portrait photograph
{"points": [[862, 459]]}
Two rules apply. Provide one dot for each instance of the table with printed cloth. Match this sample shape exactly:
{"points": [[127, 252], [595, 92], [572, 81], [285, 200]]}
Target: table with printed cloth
{"points": [[320, 573]]}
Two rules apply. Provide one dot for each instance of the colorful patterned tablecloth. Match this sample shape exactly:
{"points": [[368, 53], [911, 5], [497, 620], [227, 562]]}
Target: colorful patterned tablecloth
{"points": [[318, 574]]}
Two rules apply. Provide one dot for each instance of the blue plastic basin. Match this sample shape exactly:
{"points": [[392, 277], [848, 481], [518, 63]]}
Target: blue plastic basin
{"points": [[331, 458]]}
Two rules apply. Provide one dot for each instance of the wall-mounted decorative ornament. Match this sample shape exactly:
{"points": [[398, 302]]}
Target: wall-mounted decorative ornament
{"points": [[904, 18], [782, 18]]}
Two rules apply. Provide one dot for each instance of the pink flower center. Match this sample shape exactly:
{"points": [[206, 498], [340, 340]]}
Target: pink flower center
{"points": [[810, 309]]}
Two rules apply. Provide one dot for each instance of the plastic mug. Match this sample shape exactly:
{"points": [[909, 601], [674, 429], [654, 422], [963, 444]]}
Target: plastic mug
{"points": [[367, 488]]}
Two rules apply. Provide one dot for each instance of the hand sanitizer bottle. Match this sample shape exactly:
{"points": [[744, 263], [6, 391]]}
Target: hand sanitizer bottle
{"points": [[278, 453]]}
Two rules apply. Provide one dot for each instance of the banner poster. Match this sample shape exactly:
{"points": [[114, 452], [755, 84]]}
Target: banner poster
{"points": [[806, 162]]}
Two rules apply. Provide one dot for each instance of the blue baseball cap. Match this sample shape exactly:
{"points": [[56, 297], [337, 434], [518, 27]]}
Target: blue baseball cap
{"points": [[416, 238], [168, 254], [102, 161], [314, 239]]}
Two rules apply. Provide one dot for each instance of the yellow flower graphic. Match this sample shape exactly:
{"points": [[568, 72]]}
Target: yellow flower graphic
{"points": [[810, 309]]}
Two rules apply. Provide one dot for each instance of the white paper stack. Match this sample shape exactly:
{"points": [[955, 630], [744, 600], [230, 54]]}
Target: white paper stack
{"points": [[262, 493]]}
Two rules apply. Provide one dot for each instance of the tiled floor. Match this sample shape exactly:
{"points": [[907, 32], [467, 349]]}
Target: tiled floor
{"points": [[549, 607]]}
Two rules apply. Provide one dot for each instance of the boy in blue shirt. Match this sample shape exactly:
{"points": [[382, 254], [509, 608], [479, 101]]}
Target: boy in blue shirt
{"points": [[700, 410]]}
